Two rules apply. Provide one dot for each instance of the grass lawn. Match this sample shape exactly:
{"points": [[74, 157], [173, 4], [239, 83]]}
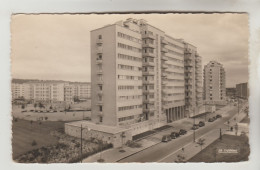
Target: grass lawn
{"points": [[24, 133], [228, 142]]}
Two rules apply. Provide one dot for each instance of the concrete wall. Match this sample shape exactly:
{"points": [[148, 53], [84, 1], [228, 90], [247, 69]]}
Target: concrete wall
{"points": [[115, 139]]}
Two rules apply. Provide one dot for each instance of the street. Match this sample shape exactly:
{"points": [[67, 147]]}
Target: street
{"points": [[162, 151]]}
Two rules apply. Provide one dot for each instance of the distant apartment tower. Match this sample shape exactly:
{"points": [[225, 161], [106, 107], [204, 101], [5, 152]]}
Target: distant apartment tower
{"points": [[48, 91], [193, 80], [137, 76], [242, 90], [81, 90], [51, 91], [22, 90], [214, 82]]}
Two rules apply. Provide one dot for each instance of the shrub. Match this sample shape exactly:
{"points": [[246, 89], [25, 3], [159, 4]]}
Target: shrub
{"points": [[34, 143]]}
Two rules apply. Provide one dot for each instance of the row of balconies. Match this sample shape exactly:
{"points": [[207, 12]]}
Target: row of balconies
{"points": [[148, 45]]}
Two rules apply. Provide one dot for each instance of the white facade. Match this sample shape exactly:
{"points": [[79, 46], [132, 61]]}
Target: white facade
{"points": [[137, 76], [214, 82]]}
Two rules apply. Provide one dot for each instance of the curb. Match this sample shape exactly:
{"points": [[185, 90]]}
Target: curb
{"points": [[137, 152]]}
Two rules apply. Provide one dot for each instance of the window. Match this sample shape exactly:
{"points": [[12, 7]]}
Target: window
{"points": [[100, 119], [100, 37], [100, 108]]}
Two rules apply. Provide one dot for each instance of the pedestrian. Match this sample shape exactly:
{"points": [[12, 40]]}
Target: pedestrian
{"points": [[231, 128], [182, 149]]}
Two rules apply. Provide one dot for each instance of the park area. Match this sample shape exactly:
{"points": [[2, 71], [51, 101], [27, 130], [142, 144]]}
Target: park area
{"points": [[230, 148], [46, 142]]}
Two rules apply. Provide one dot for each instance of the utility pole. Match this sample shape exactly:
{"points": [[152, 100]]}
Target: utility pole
{"points": [[81, 143], [194, 135], [238, 105]]}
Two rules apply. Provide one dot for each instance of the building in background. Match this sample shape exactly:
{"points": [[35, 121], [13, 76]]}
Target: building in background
{"points": [[22, 90], [231, 92], [50, 91], [242, 90], [214, 83], [138, 80]]}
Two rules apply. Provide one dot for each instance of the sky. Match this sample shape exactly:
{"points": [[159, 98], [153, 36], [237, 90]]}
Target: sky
{"points": [[57, 46]]}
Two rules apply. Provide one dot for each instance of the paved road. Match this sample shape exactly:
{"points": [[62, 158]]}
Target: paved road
{"points": [[162, 150]]}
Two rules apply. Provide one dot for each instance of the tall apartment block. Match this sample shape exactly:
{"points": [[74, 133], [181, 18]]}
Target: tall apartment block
{"points": [[138, 80], [193, 80], [214, 83], [242, 90]]}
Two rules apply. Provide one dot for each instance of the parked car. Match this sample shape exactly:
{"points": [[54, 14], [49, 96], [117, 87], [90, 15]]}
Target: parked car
{"points": [[218, 116], [174, 135], [182, 132], [195, 126], [214, 117], [166, 138], [211, 120], [201, 123]]}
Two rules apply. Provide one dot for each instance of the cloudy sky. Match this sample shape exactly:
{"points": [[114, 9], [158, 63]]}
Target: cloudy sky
{"points": [[56, 47]]}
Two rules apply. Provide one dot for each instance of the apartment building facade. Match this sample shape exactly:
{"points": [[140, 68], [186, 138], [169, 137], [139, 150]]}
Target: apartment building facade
{"points": [[193, 80], [137, 76], [242, 90], [214, 83], [51, 91], [21, 90]]}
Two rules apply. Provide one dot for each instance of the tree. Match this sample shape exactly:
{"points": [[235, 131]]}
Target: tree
{"points": [[23, 106], [41, 105], [51, 107], [35, 106], [201, 142]]}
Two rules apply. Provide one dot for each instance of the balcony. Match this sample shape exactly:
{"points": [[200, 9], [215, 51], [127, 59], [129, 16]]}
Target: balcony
{"points": [[164, 50], [147, 110], [148, 91], [100, 92], [164, 74], [148, 100], [99, 61], [148, 54], [188, 83], [164, 81], [148, 72], [164, 58], [165, 91], [164, 66], [150, 36], [100, 114], [99, 41], [148, 45], [188, 70], [148, 63], [100, 81], [148, 82], [100, 102], [188, 63], [164, 42], [187, 51], [99, 50], [100, 72]]}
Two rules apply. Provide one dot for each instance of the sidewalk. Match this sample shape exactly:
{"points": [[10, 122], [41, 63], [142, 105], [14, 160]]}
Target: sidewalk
{"points": [[114, 154]]}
